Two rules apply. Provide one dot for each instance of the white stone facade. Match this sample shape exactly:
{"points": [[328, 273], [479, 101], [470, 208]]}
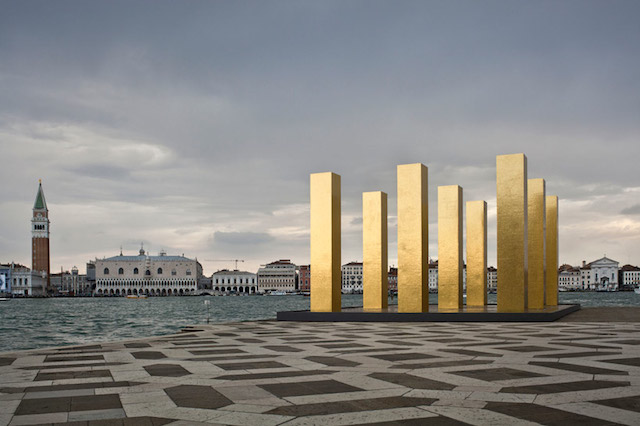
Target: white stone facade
{"points": [[278, 276], [352, 277], [240, 282], [147, 275], [569, 278], [601, 275]]}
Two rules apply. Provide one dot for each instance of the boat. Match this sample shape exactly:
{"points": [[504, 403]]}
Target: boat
{"points": [[4, 299], [133, 296], [278, 293], [637, 290]]}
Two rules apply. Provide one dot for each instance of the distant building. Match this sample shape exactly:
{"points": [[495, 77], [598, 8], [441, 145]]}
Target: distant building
{"points": [[40, 262], [352, 277], [5, 279], [160, 275], [492, 279], [71, 283], [21, 281], [280, 275], [629, 276], [392, 278], [569, 278], [226, 281], [304, 278], [433, 276], [601, 275]]}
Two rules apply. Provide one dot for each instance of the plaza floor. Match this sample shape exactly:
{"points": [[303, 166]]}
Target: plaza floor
{"points": [[271, 373]]}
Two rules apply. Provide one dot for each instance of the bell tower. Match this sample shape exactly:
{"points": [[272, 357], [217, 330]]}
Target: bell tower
{"points": [[40, 237]]}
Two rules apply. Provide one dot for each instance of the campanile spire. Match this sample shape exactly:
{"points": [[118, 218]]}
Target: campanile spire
{"points": [[40, 263]]}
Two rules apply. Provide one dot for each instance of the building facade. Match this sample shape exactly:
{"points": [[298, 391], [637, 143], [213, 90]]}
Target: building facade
{"points": [[5, 279], [492, 279], [40, 261], [569, 278], [601, 275], [304, 278], [280, 276], [240, 282], [352, 277], [629, 276], [160, 275], [392, 278]]}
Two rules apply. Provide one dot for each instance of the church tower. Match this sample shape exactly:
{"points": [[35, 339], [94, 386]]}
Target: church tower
{"points": [[40, 238]]}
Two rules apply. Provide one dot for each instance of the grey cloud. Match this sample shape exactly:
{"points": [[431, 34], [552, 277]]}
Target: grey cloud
{"points": [[242, 238], [632, 210]]}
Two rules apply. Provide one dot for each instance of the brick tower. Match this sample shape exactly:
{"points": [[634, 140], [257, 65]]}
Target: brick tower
{"points": [[40, 238]]}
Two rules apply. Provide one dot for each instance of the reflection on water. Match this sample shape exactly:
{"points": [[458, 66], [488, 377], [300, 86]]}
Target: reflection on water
{"points": [[33, 323]]}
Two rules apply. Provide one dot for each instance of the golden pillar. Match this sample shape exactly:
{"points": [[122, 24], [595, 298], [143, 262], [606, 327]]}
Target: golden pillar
{"points": [[449, 247], [476, 253], [551, 249], [413, 238], [512, 232], [536, 240], [374, 251], [325, 242]]}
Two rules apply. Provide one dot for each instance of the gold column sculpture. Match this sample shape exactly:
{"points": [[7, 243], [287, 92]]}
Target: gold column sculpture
{"points": [[449, 247], [511, 186], [374, 251], [536, 240], [552, 245], [476, 253], [413, 238], [325, 242]]}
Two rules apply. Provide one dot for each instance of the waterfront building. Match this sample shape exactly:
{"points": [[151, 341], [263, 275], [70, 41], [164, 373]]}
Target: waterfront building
{"points": [[160, 275], [600, 275], [433, 276], [629, 276], [5, 279], [226, 281], [392, 277], [492, 279], [40, 262], [304, 278], [569, 278], [281, 275], [352, 277], [70, 283]]}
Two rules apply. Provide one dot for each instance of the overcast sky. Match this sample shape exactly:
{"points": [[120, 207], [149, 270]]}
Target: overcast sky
{"points": [[193, 126]]}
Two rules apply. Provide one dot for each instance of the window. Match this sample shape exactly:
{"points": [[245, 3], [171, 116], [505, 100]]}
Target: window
{"points": [[159, 271], [188, 271], [120, 271], [173, 271], [135, 271], [147, 272], [106, 271]]}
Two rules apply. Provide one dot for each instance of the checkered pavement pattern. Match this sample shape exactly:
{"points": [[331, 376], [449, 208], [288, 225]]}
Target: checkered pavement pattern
{"points": [[272, 373]]}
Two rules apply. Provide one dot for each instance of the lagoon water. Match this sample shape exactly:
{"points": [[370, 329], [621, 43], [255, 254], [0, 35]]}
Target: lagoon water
{"points": [[35, 323]]}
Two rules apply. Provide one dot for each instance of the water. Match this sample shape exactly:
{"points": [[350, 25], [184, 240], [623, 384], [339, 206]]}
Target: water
{"points": [[35, 323]]}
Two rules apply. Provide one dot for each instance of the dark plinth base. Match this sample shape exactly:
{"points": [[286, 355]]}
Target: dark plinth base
{"points": [[486, 314]]}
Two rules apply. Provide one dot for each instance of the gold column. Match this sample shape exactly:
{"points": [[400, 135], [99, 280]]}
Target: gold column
{"points": [[512, 232], [536, 241], [449, 247], [374, 251], [413, 238], [325, 242], [476, 253], [552, 245]]}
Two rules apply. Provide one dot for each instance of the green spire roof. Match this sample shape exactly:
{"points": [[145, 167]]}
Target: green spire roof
{"points": [[40, 204]]}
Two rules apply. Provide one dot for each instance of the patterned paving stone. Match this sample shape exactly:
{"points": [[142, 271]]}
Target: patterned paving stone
{"points": [[624, 361], [56, 358], [576, 354], [412, 381], [166, 370], [403, 356], [276, 375], [441, 364], [332, 361], [543, 415], [577, 368], [471, 353], [494, 374], [308, 388], [61, 375], [66, 404], [351, 406], [565, 387], [194, 396], [137, 345], [148, 355], [217, 351], [251, 365], [6, 361], [631, 403], [282, 348]]}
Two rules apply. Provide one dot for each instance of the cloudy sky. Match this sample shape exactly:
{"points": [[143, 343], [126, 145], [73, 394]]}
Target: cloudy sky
{"points": [[192, 126]]}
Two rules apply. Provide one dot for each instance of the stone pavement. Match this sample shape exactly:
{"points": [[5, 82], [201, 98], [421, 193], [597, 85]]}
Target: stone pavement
{"points": [[270, 373]]}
